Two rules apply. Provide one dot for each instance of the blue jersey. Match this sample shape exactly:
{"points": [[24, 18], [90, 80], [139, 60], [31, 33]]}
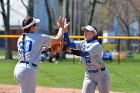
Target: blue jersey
{"points": [[91, 52], [93, 60], [33, 46]]}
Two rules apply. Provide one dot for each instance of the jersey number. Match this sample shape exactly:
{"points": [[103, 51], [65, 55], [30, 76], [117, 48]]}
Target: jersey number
{"points": [[27, 46], [87, 59]]}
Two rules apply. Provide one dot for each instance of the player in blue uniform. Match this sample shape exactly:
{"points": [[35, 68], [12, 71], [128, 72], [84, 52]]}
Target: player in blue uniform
{"points": [[29, 50], [90, 51]]}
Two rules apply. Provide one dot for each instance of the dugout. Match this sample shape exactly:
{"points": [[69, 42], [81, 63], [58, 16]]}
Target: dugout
{"points": [[14, 30]]}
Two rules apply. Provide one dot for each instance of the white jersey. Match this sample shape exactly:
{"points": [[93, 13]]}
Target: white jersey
{"points": [[94, 60], [33, 46]]}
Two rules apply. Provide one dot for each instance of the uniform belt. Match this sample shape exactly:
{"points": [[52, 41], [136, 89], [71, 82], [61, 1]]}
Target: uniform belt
{"points": [[95, 71], [28, 63]]}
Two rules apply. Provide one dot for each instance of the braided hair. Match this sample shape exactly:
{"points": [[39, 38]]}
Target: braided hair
{"points": [[25, 22]]}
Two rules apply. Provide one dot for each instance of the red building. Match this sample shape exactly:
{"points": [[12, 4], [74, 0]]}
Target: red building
{"points": [[14, 30]]}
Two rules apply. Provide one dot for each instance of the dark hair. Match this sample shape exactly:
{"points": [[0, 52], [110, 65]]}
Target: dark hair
{"points": [[96, 36], [25, 22]]}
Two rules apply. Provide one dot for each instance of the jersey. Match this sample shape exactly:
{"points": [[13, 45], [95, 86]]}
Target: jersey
{"points": [[93, 61], [33, 46], [91, 56]]}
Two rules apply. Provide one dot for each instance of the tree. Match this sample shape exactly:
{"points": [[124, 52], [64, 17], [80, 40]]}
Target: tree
{"points": [[52, 26], [82, 13], [92, 10], [136, 7], [102, 19], [6, 16], [29, 7], [122, 10], [66, 9]]}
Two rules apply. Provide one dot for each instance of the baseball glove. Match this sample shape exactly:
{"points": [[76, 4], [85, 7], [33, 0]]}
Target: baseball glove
{"points": [[57, 47]]}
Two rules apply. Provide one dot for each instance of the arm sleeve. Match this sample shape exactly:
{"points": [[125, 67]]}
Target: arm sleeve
{"points": [[79, 53], [45, 40], [67, 39]]}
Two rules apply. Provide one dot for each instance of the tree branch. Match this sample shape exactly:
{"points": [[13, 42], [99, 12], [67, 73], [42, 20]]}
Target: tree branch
{"points": [[24, 4], [136, 10], [120, 19], [3, 9], [101, 2]]}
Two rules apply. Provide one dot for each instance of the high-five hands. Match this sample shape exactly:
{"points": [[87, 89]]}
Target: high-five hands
{"points": [[60, 22], [66, 25]]}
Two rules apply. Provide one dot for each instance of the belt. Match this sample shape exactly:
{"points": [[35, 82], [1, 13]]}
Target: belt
{"points": [[28, 63], [95, 71]]}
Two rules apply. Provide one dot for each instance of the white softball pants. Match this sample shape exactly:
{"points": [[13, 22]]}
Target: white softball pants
{"points": [[100, 79], [25, 75]]}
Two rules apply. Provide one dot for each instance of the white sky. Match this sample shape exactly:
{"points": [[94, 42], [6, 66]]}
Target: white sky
{"points": [[17, 12]]}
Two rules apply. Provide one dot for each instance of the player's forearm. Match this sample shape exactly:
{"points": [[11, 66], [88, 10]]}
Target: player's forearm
{"points": [[59, 34], [58, 37], [67, 39], [78, 52]]}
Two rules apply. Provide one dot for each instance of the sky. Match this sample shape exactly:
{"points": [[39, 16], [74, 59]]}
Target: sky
{"points": [[17, 13]]}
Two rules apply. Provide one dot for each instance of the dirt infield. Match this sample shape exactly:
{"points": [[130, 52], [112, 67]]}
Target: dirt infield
{"points": [[14, 89]]}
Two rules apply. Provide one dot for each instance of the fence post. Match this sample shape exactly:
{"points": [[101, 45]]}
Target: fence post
{"points": [[73, 59], [118, 51]]}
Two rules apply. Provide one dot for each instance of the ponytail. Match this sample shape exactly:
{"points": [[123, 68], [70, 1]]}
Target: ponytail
{"points": [[25, 22], [23, 44]]}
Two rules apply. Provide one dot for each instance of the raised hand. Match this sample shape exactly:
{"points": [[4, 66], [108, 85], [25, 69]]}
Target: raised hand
{"points": [[66, 25], [60, 22]]}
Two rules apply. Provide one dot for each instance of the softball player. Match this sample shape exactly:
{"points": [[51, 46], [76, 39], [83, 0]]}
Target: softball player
{"points": [[29, 50], [91, 52]]}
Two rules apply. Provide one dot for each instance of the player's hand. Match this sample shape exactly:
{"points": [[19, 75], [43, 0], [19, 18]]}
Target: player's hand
{"points": [[68, 50], [60, 22], [66, 25]]}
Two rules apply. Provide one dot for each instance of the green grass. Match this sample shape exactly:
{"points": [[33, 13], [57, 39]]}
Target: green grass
{"points": [[60, 75], [2, 52], [137, 55], [6, 71], [124, 77]]}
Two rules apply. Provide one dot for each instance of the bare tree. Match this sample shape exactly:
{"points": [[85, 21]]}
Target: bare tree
{"points": [[66, 9], [82, 12], [6, 16], [137, 12], [52, 25], [29, 7], [122, 10], [92, 9]]}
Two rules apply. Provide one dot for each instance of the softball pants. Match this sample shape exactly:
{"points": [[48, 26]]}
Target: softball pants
{"points": [[93, 80], [25, 75]]}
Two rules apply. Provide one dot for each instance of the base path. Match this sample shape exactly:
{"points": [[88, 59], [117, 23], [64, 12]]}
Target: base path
{"points": [[15, 89]]}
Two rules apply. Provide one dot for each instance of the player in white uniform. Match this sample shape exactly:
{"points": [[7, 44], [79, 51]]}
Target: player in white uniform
{"points": [[91, 52], [29, 50]]}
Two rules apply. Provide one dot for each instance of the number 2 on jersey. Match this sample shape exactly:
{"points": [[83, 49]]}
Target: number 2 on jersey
{"points": [[87, 59], [27, 46]]}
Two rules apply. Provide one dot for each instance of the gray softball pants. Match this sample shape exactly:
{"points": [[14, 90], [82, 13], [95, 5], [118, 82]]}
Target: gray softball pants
{"points": [[25, 75], [93, 80]]}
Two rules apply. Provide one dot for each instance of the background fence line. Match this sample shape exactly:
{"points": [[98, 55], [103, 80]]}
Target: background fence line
{"points": [[78, 37]]}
